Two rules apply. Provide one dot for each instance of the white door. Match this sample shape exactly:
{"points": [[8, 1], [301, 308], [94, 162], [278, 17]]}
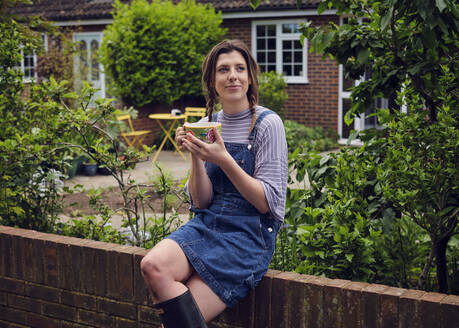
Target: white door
{"points": [[86, 62]]}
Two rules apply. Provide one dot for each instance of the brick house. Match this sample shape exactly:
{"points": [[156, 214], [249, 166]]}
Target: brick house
{"points": [[316, 87]]}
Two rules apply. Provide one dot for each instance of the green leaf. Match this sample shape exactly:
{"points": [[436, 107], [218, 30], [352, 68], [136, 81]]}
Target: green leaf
{"points": [[362, 56], [441, 5], [349, 257], [386, 18]]}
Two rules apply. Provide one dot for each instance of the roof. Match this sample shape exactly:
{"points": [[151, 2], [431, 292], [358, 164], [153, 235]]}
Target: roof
{"points": [[65, 10]]}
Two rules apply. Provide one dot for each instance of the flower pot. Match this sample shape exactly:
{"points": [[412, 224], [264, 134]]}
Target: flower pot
{"points": [[90, 169]]}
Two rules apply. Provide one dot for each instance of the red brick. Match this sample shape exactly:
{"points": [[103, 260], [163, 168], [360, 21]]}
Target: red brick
{"points": [[12, 285], [66, 272], [430, 310], [3, 298], [279, 299], [125, 270], [314, 301], [113, 278], [13, 315], [51, 273], [297, 309], [125, 323], [66, 324], [24, 303], [147, 314], [241, 315], [95, 319], [42, 292], [38, 321], [372, 305], [119, 309], [352, 304], [263, 293], [78, 300], [59, 311], [450, 309], [333, 304], [141, 293], [390, 306], [409, 304], [17, 257], [6, 250]]}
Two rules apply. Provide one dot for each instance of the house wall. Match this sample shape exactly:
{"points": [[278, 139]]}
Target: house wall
{"points": [[54, 281]]}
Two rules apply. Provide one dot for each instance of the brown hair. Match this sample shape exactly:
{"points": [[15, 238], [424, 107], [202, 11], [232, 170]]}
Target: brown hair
{"points": [[209, 67]]}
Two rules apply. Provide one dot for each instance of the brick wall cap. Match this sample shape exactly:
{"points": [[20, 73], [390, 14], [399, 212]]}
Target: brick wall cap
{"points": [[451, 300], [337, 283], [140, 252], [272, 273], [432, 297], [287, 275], [413, 294], [356, 285], [375, 288], [394, 291]]}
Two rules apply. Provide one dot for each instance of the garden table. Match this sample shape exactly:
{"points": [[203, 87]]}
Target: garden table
{"points": [[167, 117]]}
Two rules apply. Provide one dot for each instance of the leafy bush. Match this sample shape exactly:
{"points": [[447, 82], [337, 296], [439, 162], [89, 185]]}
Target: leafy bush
{"points": [[153, 51], [272, 91], [307, 138]]}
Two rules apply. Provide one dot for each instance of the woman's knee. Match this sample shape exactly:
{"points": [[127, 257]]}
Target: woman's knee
{"points": [[165, 261], [153, 267]]}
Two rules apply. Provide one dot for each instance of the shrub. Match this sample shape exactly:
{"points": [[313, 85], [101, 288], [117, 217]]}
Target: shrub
{"points": [[272, 91], [309, 138], [153, 51]]}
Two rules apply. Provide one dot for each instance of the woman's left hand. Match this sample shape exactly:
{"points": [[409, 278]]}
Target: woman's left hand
{"points": [[215, 152]]}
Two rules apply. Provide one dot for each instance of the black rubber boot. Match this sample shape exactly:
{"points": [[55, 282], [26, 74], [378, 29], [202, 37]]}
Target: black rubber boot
{"points": [[181, 312]]}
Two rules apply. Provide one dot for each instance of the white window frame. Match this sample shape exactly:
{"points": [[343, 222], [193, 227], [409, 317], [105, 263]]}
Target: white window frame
{"points": [[22, 67], [279, 38]]}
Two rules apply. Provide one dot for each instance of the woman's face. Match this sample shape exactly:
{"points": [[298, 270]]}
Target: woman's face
{"points": [[232, 80]]}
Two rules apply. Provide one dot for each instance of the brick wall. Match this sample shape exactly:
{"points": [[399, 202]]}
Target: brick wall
{"points": [[53, 281]]}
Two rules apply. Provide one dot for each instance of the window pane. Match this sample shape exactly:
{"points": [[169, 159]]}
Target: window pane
{"points": [[94, 61], [261, 30], [287, 57], [287, 28], [262, 67], [271, 29], [271, 68], [271, 43], [261, 44], [272, 57], [297, 44], [290, 28], [298, 56], [287, 70], [298, 70], [287, 44], [261, 56]]}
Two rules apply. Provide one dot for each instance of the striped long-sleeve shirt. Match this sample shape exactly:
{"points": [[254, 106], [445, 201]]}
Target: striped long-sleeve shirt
{"points": [[271, 155]]}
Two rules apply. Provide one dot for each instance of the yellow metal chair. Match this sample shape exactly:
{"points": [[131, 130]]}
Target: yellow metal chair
{"points": [[133, 138], [195, 111]]}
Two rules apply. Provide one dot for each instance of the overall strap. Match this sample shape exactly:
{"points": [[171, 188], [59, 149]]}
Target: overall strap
{"points": [[253, 134]]}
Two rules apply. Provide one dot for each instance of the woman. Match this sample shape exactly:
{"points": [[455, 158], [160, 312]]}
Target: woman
{"points": [[237, 186]]}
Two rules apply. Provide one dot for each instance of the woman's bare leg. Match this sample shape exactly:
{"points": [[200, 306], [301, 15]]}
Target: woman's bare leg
{"points": [[208, 302], [165, 268]]}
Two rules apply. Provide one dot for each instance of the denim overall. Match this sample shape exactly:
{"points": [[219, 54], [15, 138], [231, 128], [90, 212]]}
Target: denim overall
{"points": [[230, 243]]}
